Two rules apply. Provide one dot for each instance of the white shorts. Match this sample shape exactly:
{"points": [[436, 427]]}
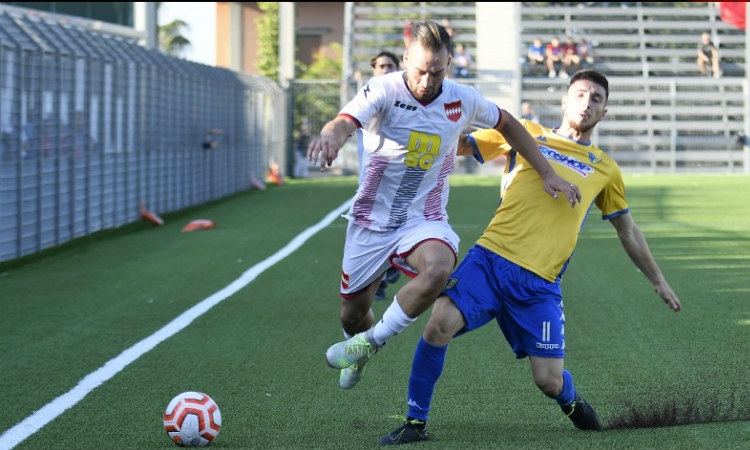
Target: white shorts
{"points": [[368, 254]]}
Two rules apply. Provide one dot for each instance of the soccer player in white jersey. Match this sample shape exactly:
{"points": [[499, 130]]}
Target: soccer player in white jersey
{"points": [[383, 63], [513, 273], [410, 122]]}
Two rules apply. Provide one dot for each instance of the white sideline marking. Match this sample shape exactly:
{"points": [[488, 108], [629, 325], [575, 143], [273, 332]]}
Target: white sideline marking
{"points": [[21, 431]]}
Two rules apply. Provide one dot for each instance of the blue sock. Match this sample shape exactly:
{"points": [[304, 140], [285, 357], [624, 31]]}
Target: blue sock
{"points": [[426, 368], [568, 393]]}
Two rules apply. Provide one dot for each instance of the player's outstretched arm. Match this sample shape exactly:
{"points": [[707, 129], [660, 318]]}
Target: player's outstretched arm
{"points": [[522, 142], [333, 135], [637, 248]]}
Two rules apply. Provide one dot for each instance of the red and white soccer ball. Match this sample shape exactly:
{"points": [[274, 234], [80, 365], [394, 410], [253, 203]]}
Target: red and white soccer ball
{"points": [[192, 419]]}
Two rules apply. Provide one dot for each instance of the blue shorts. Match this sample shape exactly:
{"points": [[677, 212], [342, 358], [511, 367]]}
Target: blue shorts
{"points": [[528, 308]]}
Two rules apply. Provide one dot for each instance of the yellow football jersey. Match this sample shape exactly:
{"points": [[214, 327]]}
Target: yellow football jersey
{"points": [[529, 227]]}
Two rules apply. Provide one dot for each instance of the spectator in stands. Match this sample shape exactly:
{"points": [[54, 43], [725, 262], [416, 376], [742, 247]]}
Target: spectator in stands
{"points": [[571, 58], [382, 63], [586, 54], [708, 55], [300, 149], [461, 62], [528, 113], [535, 55], [407, 32], [554, 53], [446, 22]]}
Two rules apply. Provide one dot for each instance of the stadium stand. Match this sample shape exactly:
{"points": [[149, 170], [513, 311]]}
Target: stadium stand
{"points": [[663, 116], [647, 39]]}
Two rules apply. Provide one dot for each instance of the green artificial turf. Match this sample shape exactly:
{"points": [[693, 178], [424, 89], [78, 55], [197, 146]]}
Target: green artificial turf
{"points": [[66, 312]]}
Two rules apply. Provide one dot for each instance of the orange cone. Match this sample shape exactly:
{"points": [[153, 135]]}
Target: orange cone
{"points": [[275, 176], [151, 217], [199, 224]]}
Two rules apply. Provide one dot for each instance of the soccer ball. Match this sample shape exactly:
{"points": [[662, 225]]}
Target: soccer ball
{"points": [[192, 419]]}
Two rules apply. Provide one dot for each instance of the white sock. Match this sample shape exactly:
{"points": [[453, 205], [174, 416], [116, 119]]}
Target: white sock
{"points": [[393, 322]]}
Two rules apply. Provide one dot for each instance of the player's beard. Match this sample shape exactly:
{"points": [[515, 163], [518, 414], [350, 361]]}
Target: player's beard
{"points": [[429, 93], [582, 128]]}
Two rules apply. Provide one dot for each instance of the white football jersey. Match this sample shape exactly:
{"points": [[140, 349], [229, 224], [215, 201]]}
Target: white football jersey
{"points": [[408, 148]]}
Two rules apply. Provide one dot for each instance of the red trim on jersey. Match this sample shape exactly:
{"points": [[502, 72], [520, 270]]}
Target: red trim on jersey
{"points": [[499, 117], [352, 118]]}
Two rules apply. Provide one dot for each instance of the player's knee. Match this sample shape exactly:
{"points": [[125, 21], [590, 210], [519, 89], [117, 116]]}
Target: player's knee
{"points": [[435, 275], [438, 333], [551, 385]]}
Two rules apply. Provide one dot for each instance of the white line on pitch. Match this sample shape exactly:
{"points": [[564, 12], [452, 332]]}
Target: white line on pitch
{"points": [[21, 431]]}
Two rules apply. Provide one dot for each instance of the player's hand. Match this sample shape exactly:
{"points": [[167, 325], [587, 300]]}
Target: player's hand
{"points": [[669, 297], [325, 148], [555, 183], [464, 146]]}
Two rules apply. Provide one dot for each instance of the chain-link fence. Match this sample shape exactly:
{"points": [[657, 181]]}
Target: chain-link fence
{"points": [[93, 126]]}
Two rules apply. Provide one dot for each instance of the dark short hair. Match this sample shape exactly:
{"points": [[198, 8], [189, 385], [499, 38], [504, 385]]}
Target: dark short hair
{"points": [[388, 55], [591, 75]]}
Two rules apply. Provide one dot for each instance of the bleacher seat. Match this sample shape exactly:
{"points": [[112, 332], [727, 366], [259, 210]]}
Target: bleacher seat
{"points": [[645, 39]]}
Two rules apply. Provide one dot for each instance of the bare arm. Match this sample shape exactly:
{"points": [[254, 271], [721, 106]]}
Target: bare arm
{"points": [[635, 245], [522, 142], [464, 147], [332, 137]]}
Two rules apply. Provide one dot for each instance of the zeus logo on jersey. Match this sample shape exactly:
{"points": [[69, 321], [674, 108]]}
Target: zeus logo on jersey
{"points": [[422, 150], [398, 104], [582, 168]]}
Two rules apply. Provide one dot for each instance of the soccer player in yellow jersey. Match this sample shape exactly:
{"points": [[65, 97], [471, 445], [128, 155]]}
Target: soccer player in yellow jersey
{"points": [[513, 272]]}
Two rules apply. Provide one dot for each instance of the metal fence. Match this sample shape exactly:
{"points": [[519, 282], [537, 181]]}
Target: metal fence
{"points": [[93, 126], [663, 124], [653, 125]]}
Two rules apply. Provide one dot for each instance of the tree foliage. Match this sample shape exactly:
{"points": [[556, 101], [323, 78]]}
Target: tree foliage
{"points": [[319, 102], [171, 39], [325, 67], [268, 40]]}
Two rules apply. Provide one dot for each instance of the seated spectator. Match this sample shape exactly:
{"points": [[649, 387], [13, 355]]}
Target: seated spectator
{"points": [[553, 54], [571, 59], [535, 55], [586, 53], [461, 62], [708, 55]]}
